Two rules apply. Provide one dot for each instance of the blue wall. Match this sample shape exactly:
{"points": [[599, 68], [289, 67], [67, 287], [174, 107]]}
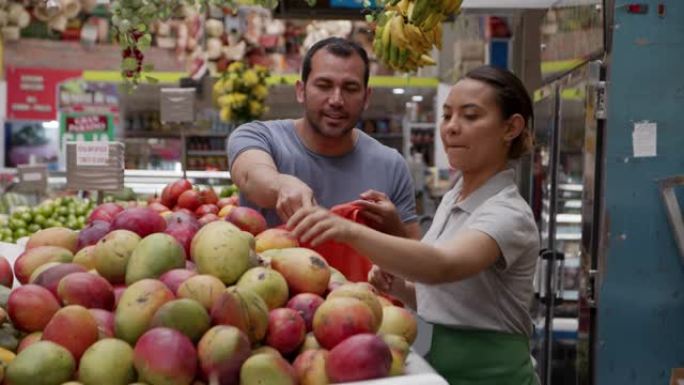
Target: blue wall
{"points": [[641, 300]]}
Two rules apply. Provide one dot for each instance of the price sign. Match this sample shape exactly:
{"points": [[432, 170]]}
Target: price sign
{"points": [[92, 153], [32, 178], [95, 165]]}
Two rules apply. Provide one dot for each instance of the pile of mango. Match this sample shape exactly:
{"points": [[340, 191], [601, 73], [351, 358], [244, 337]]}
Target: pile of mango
{"points": [[123, 300]]}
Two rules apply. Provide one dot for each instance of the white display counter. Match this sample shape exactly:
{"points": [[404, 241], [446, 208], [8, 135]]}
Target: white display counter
{"points": [[418, 372]]}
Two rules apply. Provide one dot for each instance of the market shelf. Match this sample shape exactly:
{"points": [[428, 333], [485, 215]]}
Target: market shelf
{"points": [[291, 79], [174, 134], [397, 135], [206, 152]]}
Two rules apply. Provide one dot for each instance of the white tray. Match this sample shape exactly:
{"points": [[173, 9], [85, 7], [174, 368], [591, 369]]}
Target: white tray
{"points": [[418, 372]]}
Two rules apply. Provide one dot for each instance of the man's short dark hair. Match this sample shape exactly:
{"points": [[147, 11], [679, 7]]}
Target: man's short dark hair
{"points": [[338, 47]]}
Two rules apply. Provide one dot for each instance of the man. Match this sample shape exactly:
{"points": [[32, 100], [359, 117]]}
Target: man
{"points": [[321, 158]]}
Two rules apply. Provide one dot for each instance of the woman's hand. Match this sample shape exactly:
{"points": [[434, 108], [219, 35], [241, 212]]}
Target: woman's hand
{"points": [[315, 225], [380, 213], [380, 279], [395, 286]]}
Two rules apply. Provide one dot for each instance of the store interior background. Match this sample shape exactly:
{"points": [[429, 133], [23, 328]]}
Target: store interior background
{"points": [[542, 44]]}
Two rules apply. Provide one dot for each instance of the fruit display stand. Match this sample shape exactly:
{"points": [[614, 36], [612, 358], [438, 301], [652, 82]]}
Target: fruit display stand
{"points": [[417, 371], [187, 281]]}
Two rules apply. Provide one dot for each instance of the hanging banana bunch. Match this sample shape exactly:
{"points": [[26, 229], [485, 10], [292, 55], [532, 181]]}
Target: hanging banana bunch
{"points": [[407, 30]]}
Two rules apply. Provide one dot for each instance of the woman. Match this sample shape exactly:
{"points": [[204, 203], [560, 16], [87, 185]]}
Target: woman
{"points": [[472, 274]]}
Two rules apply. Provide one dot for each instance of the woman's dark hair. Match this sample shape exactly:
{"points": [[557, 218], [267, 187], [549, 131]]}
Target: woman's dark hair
{"points": [[512, 98], [338, 47]]}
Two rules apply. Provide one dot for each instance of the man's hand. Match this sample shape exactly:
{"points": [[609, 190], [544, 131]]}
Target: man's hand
{"points": [[257, 176], [293, 194], [380, 213]]}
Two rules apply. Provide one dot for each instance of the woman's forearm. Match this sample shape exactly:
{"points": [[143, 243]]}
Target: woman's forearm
{"points": [[407, 258]]}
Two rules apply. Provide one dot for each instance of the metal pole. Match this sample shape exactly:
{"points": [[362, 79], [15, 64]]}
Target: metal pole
{"points": [[551, 263], [596, 245]]}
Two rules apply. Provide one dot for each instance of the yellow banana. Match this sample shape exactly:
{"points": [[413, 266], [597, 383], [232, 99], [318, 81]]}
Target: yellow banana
{"points": [[397, 30], [417, 39], [386, 43], [403, 58], [409, 9], [437, 35], [394, 57], [452, 6], [377, 43], [431, 21], [426, 60], [434, 36], [420, 11], [403, 6]]}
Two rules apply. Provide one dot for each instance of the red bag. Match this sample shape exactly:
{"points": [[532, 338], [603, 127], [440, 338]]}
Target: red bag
{"points": [[353, 265]]}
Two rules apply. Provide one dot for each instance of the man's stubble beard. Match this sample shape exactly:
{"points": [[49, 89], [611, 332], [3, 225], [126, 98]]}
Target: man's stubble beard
{"points": [[318, 130]]}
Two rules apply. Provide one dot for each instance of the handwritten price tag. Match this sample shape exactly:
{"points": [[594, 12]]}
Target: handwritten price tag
{"points": [[92, 153], [33, 177]]}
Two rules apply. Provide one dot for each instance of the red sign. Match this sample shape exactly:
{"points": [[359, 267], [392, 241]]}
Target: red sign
{"points": [[78, 124], [32, 92]]}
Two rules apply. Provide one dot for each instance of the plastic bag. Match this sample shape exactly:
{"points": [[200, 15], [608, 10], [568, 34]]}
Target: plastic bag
{"points": [[353, 265]]}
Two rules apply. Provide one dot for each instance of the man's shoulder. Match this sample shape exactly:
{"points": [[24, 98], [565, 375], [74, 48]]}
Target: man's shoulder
{"points": [[280, 126], [374, 147]]}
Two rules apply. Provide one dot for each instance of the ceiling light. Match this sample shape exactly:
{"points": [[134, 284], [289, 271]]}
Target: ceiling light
{"points": [[398, 91], [417, 98]]}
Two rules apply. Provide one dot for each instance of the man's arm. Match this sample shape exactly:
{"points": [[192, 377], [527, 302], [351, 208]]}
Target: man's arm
{"points": [[413, 230], [257, 177], [255, 174]]}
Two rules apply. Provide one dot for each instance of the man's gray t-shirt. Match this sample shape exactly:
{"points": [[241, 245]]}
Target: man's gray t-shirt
{"points": [[334, 180]]}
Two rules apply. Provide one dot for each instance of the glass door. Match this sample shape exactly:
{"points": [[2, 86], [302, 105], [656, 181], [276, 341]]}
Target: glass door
{"points": [[563, 203]]}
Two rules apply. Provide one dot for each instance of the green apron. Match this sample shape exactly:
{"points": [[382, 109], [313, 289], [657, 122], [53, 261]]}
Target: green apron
{"points": [[479, 357]]}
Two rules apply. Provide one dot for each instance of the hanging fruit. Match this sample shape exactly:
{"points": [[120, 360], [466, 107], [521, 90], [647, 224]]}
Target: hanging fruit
{"points": [[131, 20], [407, 30]]}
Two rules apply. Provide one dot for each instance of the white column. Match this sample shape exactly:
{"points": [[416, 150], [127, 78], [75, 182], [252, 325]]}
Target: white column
{"points": [[441, 161]]}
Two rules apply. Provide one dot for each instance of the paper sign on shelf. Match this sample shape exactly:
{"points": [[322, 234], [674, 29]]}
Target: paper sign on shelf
{"points": [[95, 166], [33, 177], [92, 153], [644, 139]]}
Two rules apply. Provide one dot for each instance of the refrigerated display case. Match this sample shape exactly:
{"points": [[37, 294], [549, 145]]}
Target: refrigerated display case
{"points": [[563, 199]]}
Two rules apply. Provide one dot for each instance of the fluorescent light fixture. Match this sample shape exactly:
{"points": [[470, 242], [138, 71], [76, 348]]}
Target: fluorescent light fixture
{"points": [[417, 98], [51, 124], [398, 91]]}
